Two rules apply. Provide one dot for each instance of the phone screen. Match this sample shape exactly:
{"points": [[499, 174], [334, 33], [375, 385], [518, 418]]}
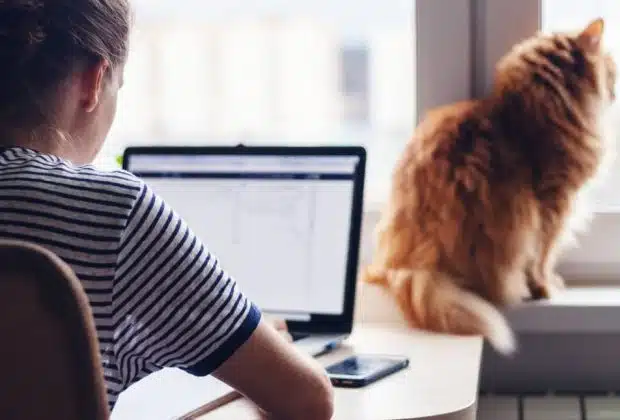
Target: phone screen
{"points": [[360, 366], [360, 370]]}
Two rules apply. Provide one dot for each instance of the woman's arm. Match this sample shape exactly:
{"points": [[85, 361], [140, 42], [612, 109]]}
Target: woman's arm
{"points": [[176, 306], [280, 380]]}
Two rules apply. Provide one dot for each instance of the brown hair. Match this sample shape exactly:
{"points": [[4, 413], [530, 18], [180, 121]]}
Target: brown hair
{"points": [[43, 41]]}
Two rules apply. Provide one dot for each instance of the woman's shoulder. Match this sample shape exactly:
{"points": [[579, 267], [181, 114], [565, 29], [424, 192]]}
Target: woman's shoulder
{"points": [[49, 168], [107, 181], [114, 176]]}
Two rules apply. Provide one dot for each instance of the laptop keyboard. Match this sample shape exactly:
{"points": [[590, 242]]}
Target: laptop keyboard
{"points": [[549, 407]]}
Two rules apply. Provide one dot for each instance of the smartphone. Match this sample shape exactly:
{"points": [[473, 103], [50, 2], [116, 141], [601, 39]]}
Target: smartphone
{"points": [[361, 370]]}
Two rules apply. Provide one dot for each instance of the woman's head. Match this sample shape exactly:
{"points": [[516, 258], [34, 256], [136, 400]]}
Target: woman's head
{"points": [[61, 64]]}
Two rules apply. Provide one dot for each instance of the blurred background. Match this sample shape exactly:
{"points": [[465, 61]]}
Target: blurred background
{"points": [[280, 72]]}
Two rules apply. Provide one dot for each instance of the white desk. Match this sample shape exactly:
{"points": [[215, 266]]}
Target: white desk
{"points": [[441, 382]]}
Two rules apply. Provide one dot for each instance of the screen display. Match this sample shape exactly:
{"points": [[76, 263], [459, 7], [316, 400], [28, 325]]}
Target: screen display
{"points": [[280, 225]]}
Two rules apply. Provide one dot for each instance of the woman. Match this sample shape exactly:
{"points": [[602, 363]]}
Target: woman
{"points": [[160, 299]]}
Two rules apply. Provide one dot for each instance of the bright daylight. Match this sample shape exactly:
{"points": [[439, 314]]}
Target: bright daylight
{"points": [[271, 72], [309, 209]]}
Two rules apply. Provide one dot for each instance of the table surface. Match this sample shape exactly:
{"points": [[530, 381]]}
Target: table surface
{"points": [[440, 383]]}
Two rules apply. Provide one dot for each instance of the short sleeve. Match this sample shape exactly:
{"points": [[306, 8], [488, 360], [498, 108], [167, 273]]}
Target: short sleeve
{"points": [[174, 305]]}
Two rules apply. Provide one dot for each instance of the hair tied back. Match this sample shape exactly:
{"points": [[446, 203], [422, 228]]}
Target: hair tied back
{"points": [[21, 30]]}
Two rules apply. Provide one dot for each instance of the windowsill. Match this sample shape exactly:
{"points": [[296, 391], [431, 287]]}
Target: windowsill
{"points": [[590, 310], [607, 210], [575, 310], [590, 305]]}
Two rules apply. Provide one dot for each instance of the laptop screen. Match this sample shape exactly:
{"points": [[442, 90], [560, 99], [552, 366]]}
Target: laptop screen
{"points": [[280, 225]]}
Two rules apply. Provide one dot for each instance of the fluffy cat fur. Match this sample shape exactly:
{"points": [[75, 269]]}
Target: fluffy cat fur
{"points": [[488, 191]]}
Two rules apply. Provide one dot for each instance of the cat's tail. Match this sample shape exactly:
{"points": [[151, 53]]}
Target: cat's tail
{"points": [[433, 301]]}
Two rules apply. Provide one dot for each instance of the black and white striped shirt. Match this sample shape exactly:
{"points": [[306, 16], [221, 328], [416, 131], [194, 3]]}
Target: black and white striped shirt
{"points": [[159, 298]]}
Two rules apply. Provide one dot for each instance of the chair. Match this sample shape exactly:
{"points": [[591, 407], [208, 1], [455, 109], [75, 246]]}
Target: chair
{"points": [[50, 365]]}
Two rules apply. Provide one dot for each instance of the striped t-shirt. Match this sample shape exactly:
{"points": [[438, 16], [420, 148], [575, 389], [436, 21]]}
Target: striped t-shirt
{"points": [[159, 298]]}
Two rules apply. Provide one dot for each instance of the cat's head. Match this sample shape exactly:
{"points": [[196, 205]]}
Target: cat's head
{"points": [[571, 67]]}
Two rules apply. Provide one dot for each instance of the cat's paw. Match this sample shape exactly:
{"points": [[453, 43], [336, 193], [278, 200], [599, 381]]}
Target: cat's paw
{"points": [[547, 288], [539, 291], [536, 287]]}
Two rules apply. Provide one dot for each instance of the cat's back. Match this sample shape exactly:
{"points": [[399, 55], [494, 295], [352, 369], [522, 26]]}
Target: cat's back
{"points": [[456, 150], [442, 124], [461, 185]]}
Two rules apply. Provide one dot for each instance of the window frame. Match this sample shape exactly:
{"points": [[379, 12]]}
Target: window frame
{"points": [[595, 261], [444, 52], [444, 56]]}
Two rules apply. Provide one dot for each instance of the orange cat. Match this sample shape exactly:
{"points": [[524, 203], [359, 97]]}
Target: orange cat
{"points": [[484, 196]]}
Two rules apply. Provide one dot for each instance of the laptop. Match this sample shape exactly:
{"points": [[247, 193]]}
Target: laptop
{"points": [[283, 221]]}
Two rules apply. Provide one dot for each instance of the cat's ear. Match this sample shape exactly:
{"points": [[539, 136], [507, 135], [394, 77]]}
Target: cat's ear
{"points": [[590, 38]]}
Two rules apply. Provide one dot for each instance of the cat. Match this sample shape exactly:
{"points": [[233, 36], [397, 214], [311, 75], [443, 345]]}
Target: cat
{"points": [[487, 193]]}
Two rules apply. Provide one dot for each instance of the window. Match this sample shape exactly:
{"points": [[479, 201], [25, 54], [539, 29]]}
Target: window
{"points": [[597, 257], [286, 72]]}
